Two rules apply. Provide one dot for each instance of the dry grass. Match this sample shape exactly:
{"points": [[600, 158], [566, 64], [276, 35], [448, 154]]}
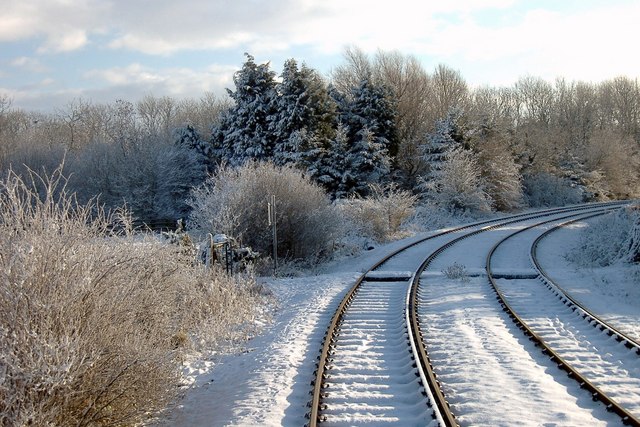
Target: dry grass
{"points": [[91, 321]]}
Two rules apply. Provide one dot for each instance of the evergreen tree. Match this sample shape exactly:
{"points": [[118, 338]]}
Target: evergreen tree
{"points": [[327, 164], [372, 108], [189, 138], [303, 110], [245, 129], [367, 118], [446, 137], [366, 162]]}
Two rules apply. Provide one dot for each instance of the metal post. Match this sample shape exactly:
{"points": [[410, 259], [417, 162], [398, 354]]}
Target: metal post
{"points": [[271, 211], [210, 258]]}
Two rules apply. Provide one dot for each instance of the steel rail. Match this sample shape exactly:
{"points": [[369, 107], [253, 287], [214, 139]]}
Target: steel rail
{"points": [[596, 393], [331, 334], [570, 301]]}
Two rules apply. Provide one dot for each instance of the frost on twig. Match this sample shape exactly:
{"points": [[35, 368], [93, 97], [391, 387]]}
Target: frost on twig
{"points": [[457, 272]]}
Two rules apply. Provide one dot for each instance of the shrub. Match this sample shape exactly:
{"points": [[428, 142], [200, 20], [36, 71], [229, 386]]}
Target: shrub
{"points": [[90, 321], [613, 238], [234, 202], [543, 190], [381, 215], [456, 272], [458, 185]]}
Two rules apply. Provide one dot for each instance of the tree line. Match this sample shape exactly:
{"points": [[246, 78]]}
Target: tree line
{"points": [[376, 119]]}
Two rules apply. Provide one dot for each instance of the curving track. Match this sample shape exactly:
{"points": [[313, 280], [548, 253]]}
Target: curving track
{"points": [[604, 360], [374, 367]]}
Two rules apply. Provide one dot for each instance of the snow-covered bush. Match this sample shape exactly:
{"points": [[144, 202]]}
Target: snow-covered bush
{"points": [[92, 322], [234, 202], [456, 272], [543, 189], [458, 185], [153, 178], [613, 238], [379, 216]]}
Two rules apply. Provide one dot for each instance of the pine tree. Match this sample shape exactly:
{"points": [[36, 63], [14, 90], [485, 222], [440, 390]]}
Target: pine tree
{"points": [[367, 119], [326, 165], [372, 108], [245, 130], [458, 185], [189, 138], [304, 110], [446, 137], [366, 162]]}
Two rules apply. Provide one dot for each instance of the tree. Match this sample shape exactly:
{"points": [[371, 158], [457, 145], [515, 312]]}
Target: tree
{"points": [[458, 185], [372, 107], [245, 129], [498, 168], [450, 91], [366, 162], [326, 165], [446, 137], [303, 110]]}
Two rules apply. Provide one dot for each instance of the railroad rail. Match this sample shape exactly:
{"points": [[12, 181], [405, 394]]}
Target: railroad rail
{"points": [[440, 406], [569, 300], [596, 392]]}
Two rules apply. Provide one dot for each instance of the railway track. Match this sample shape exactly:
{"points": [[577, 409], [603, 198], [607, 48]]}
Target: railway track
{"points": [[377, 327], [599, 357]]}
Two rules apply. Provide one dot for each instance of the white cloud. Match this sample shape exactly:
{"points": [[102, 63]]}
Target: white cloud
{"points": [[63, 24], [177, 82], [493, 41], [29, 64]]}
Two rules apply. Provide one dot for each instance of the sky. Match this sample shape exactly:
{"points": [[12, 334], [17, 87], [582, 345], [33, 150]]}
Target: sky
{"points": [[55, 51]]}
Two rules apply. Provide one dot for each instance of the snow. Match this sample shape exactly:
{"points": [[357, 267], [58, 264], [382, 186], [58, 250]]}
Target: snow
{"points": [[268, 381], [613, 292]]}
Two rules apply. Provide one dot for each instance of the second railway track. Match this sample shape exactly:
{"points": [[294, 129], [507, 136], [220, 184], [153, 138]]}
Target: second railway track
{"points": [[371, 368]]}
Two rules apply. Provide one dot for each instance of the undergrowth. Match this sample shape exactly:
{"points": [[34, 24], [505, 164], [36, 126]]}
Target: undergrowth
{"points": [[94, 319]]}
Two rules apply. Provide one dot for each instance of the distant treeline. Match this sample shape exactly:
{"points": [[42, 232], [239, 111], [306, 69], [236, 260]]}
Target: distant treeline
{"points": [[378, 119]]}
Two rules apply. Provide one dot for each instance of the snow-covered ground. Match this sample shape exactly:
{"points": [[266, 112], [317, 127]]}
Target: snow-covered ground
{"points": [[612, 293], [268, 382]]}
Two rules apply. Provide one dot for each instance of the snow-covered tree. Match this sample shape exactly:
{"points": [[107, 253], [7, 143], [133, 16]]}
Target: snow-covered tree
{"points": [[366, 162], [458, 185], [326, 163], [189, 138], [371, 107], [446, 137], [303, 110], [501, 173], [245, 130], [366, 117]]}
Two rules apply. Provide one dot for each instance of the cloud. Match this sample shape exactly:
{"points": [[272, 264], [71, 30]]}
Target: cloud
{"points": [[167, 26], [177, 82], [64, 25], [28, 63], [490, 41]]}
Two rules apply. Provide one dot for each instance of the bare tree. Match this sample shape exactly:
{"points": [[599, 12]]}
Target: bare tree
{"points": [[450, 90], [536, 97], [357, 68]]}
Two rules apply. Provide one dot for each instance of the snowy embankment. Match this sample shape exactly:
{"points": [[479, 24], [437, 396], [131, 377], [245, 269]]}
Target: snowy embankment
{"points": [[268, 382]]}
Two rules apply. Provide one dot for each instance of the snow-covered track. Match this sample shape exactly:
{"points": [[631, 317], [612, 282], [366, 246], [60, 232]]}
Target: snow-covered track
{"points": [[599, 365], [569, 300], [331, 392]]}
